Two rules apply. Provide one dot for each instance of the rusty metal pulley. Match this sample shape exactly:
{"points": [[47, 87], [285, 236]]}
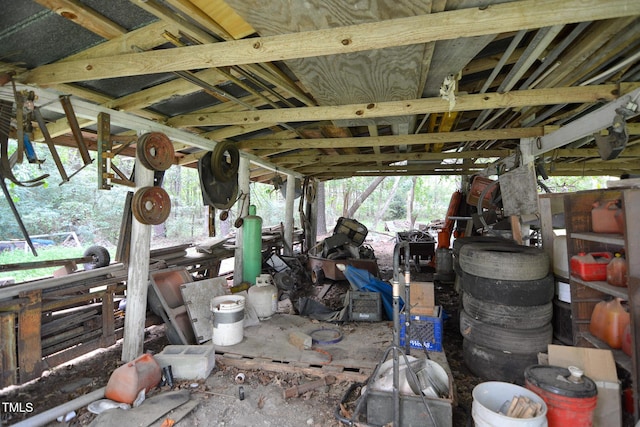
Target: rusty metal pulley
{"points": [[221, 195], [225, 161], [151, 205], [155, 151]]}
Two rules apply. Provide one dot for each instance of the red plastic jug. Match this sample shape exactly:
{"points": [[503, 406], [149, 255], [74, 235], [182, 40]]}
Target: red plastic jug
{"points": [[608, 321], [617, 271], [129, 379]]}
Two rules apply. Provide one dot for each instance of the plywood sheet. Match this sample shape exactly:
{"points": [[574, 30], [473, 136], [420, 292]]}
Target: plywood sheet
{"points": [[362, 77]]}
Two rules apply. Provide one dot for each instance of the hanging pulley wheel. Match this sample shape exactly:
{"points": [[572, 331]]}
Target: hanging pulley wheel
{"points": [[221, 195], [151, 205], [155, 151], [225, 160]]}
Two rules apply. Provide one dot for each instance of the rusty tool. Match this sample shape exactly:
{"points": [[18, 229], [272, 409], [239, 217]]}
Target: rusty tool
{"points": [[297, 390]]}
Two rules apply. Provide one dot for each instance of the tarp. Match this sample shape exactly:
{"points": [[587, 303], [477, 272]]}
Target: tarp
{"points": [[363, 280]]}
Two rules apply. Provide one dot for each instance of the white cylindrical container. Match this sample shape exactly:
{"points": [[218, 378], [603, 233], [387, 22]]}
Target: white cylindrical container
{"points": [[490, 397], [560, 257], [228, 319], [263, 297]]}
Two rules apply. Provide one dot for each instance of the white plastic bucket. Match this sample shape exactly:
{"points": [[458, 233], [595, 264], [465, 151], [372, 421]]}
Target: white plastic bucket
{"points": [[489, 398], [228, 319], [560, 257]]}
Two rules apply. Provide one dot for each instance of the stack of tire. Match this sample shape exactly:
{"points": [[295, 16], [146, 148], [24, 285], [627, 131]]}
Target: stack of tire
{"points": [[506, 312]]}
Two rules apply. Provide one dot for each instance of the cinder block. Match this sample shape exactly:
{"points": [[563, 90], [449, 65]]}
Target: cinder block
{"points": [[188, 362]]}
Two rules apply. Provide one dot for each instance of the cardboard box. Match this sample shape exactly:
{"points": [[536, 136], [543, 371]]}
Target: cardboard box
{"points": [[600, 366], [422, 298]]}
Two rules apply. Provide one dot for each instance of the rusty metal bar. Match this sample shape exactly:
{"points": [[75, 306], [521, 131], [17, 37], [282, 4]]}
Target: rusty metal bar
{"points": [[104, 151], [52, 148], [75, 128]]}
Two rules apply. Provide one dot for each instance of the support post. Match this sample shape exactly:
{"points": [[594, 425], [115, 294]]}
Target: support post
{"points": [[137, 276], [8, 360], [108, 323], [29, 343], [288, 215], [243, 188]]}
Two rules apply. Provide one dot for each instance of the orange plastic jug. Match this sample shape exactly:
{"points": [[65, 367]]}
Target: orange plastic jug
{"points": [[129, 379], [617, 271], [606, 217], [608, 321]]}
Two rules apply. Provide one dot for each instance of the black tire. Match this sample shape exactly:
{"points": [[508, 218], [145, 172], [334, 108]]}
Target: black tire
{"points": [[225, 169], [504, 261], [507, 316], [100, 255], [512, 340], [496, 365], [509, 292]]}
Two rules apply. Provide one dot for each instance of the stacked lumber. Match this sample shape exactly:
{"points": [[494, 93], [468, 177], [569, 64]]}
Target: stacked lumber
{"points": [[523, 407]]}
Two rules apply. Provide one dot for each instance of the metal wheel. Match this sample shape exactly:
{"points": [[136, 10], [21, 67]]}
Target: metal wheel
{"points": [[225, 160], [155, 151], [151, 205]]}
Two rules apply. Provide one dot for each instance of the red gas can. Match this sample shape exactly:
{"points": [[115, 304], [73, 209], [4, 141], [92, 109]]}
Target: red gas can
{"points": [[571, 397], [590, 266], [129, 379]]}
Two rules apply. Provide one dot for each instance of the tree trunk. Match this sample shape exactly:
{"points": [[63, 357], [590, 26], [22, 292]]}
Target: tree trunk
{"points": [[321, 228], [345, 202], [410, 217], [366, 193], [387, 202]]}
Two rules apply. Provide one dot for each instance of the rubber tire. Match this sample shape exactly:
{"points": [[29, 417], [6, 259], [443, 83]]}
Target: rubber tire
{"points": [[101, 257], [504, 261], [496, 365], [459, 243], [508, 316], [222, 170], [524, 293], [512, 340], [485, 240]]}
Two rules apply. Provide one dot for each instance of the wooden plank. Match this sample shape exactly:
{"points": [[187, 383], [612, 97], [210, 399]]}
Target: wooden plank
{"points": [[392, 141], [108, 321], [355, 375], [520, 98], [29, 345], [506, 17], [84, 16], [8, 351], [226, 17]]}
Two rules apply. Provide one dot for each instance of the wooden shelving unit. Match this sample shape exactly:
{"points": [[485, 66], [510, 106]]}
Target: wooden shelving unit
{"points": [[581, 238]]}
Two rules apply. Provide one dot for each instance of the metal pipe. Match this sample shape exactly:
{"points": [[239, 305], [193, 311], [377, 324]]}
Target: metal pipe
{"points": [[396, 326], [60, 411]]}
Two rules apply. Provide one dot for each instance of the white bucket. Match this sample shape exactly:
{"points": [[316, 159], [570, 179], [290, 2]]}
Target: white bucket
{"points": [[489, 398], [228, 319], [560, 256]]}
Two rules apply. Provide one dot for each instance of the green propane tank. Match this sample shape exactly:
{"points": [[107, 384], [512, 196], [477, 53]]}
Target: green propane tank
{"points": [[251, 246]]}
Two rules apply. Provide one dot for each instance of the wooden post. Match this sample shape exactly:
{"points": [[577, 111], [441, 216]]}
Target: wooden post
{"points": [[288, 215], [8, 360], [29, 344], [138, 276], [108, 323], [243, 188]]}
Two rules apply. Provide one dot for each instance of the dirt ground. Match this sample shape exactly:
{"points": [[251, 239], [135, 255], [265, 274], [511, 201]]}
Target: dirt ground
{"points": [[218, 396]]}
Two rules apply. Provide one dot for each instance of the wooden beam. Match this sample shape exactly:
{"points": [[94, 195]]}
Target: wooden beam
{"points": [[493, 19], [580, 94], [391, 141], [75, 11], [388, 157]]}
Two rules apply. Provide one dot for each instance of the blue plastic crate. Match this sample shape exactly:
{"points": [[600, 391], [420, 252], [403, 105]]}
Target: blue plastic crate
{"points": [[423, 329]]}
